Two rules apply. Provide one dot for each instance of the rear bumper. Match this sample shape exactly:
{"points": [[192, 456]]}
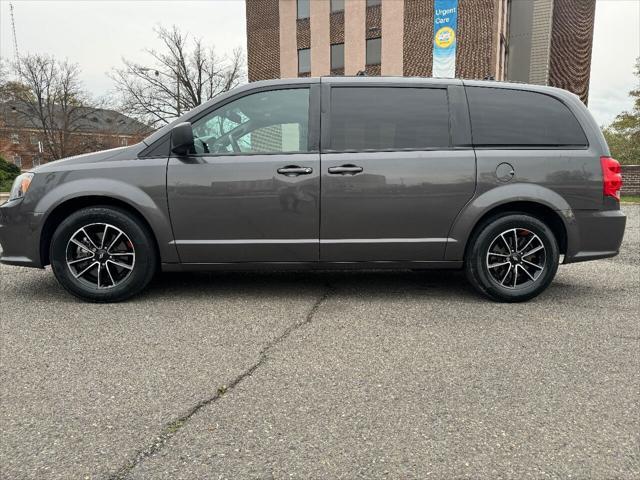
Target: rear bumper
{"points": [[19, 236], [595, 235]]}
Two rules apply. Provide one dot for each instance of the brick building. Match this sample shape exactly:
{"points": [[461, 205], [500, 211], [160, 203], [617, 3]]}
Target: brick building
{"points": [[533, 41], [98, 129]]}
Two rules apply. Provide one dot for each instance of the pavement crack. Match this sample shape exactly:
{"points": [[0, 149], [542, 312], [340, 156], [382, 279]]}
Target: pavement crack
{"points": [[174, 426]]}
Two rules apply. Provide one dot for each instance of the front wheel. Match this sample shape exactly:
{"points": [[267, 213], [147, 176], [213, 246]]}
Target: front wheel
{"points": [[102, 254], [512, 258]]}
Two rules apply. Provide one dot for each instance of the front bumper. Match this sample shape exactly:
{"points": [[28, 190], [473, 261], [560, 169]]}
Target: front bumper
{"points": [[19, 235], [596, 234]]}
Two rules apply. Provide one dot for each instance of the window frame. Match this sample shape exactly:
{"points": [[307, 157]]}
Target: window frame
{"points": [[313, 139], [327, 147], [480, 146]]}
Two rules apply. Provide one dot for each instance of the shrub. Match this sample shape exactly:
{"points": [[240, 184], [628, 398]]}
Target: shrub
{"points": [[8, 173]]}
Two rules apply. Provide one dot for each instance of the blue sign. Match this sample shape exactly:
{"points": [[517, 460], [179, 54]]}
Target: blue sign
{"points": [[445, 22]]}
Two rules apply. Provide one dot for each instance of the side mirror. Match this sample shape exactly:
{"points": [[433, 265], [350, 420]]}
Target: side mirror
{"points": [[182, 139]]}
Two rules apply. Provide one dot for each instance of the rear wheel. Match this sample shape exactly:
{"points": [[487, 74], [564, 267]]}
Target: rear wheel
{"points": [[102, 254], [512, 258]]}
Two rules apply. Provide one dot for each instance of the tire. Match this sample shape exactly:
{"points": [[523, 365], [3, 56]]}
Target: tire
{"points": [[492, 257], [103, 254]]}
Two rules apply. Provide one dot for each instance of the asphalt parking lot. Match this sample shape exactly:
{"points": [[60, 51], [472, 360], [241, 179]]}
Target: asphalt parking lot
{"points": [[333, 375]]}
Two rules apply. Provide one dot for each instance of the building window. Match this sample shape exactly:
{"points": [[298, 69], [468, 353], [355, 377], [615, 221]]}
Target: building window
{"points": [[36, 161], [337, 56], [15, 138], [124, 141], [374, 51], [337, 5], [17, 161], [373, 3], [33, 140], [303, 8], [304, 60]]}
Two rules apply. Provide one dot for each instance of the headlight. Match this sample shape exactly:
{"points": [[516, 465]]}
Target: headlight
{"points": [[20, 186]]}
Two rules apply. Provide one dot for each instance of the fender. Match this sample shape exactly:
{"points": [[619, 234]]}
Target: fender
{"points": [[500, 196], [155, 212]]}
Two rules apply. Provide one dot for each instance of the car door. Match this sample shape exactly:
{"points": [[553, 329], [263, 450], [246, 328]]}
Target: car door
{"points": [[250, 192], [394, 176]]}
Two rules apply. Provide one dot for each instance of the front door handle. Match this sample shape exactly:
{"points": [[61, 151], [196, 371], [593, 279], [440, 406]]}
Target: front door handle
{"points": [[345, 170], [295, 170]]}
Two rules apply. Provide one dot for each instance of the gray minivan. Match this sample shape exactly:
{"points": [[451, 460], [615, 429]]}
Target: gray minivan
{"points": [[503, 180]]}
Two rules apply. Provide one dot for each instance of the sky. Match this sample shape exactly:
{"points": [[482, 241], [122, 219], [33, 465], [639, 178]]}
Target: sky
{"points": [[98, 34]]}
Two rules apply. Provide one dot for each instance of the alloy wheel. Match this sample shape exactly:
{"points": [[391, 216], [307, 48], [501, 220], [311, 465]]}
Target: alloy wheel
{"points": [[100, 255], [516, 258]]}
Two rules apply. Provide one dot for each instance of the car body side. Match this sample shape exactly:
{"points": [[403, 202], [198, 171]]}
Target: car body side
{"points": [[564, 187]]}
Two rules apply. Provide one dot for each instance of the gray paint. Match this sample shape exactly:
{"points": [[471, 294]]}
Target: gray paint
{"points": [[414, 209], [398, 195], [240, 201]]}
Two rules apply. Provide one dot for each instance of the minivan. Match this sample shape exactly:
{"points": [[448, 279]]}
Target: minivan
{"points": [[502, 180]]}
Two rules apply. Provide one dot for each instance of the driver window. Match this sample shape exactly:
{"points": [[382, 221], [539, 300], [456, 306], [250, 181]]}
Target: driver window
{"points": [[274, 121]]}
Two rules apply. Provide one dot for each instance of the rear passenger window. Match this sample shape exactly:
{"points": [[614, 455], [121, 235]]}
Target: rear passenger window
{"points": [[388, 118], [501, 117]]}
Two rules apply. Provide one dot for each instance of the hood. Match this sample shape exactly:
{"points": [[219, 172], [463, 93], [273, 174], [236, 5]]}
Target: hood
{"points": [[101, 156]]}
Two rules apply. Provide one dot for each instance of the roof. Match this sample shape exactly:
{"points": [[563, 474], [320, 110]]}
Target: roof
{"points": [[91, 120]]}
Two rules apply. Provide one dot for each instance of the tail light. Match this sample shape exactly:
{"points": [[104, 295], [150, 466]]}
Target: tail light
{"points": [[611, 177]]}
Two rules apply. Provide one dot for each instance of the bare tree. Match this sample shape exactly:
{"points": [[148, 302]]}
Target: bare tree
{"points": [[184, 74], [47, 95]]}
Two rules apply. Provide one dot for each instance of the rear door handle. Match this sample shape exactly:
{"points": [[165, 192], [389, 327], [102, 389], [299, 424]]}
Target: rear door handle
{"points": [[345, 170], [295, 170]]}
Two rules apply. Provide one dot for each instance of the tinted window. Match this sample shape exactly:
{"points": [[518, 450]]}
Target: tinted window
{"points": [[303, 8], [374, 51], [501, 117], [304, 60], [373, 3], [377, 118], [263, 122], [337, 56]]}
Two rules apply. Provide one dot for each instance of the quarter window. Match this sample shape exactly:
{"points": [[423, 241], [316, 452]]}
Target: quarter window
{"points": [[388, 118], [265, 122], [503, 118], [374, 51]]}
